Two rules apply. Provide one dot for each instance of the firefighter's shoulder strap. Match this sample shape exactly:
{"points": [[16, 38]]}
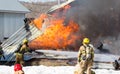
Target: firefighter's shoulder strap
{"points": [[90, 48], [81, 49]]}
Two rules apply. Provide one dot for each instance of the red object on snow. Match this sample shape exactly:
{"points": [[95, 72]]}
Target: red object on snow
{"points": [[17, 67]]}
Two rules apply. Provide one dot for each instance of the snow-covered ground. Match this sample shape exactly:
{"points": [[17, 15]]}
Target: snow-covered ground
{"points": [[64, 69], [51, 70]]}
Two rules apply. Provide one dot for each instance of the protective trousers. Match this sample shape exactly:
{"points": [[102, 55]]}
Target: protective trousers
{"points": [[19, 58], [85, 66]]}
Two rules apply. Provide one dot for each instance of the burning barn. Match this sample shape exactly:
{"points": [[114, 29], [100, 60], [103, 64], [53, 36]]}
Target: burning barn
{"points": [[65, 27]]}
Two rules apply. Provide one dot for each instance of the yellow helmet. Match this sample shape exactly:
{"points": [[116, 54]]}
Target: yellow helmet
{"points": [[25, 41], [86, 41]]}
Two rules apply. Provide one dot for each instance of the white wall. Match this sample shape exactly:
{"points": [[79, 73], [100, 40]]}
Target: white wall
{"points": [[12, 22], [1, 26]]}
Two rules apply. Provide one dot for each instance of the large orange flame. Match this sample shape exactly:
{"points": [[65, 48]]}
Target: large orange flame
{"points": [[57, 35], [38, 22]]}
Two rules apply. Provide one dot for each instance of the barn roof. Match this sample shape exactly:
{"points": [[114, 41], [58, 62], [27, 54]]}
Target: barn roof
{"points": [[12, 6]]}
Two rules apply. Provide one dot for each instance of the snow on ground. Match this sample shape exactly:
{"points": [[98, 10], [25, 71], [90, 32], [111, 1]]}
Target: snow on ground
{"points": [[64, 69], [51, 70]]}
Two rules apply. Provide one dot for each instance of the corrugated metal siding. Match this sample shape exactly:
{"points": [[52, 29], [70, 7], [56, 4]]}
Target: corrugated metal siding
{"points": [[1, 26], [12, 22]]}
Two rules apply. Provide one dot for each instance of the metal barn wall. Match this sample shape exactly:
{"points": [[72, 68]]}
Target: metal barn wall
{"points": [[1, 26], [12, 22]]}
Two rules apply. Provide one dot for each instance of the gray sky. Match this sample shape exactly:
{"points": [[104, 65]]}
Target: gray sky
{"points": [[36, 0]]}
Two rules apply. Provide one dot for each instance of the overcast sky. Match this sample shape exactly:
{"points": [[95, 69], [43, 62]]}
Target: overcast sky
{"points": [[36, 0]]}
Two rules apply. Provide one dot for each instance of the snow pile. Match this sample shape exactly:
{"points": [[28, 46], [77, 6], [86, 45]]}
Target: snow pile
{"points": [[51, 70]]}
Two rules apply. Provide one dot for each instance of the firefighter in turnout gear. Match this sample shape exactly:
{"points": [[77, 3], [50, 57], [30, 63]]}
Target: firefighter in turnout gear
{"points": [[23, 48], [85, 57]]}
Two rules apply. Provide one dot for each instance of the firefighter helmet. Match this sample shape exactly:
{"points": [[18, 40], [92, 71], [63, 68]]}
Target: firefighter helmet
{"points": [[25, 41], [17, 67], [86, 40]]}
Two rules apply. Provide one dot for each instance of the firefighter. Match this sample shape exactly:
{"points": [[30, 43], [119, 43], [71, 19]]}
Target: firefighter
{"points": [[18, 69], [85, 57], [23, 48], [27, 21]]}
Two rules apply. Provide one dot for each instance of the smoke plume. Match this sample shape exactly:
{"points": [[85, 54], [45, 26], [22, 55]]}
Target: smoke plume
{"points": [[96, 17]]}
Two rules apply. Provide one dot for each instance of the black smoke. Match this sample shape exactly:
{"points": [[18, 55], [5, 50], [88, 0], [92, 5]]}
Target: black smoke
{"points": [[97, 18]]}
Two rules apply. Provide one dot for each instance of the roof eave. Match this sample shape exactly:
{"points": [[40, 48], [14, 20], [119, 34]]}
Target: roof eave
{"points": [[13, 11]]}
